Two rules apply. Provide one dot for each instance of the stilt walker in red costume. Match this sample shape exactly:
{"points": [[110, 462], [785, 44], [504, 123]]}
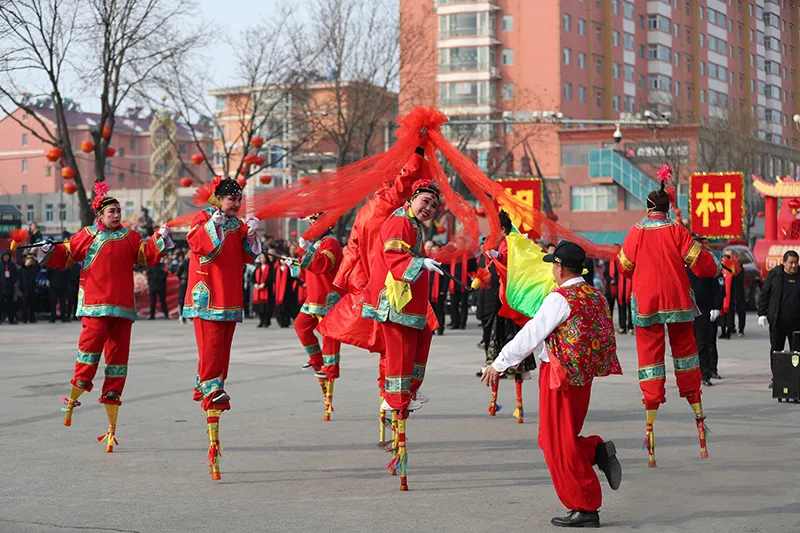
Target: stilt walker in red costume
{"points": [[655, 255], [507, 323], [575, 325], [320, 262], [105, 299], [220, 244], [396, 296]]}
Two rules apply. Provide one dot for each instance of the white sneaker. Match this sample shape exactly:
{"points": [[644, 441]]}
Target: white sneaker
{"points": [[413, 406], [320, 374], [421, 398]]}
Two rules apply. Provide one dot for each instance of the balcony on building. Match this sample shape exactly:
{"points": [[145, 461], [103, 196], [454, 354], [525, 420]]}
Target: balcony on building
{"points": [[469, 63], [446, 7], [468, 98], [467, 29]]}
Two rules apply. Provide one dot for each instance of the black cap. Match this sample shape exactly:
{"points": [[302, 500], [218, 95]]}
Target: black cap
{"points": [[228, 187], [568, 254]]}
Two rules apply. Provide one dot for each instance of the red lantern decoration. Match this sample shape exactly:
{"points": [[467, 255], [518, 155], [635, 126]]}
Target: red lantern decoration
{"points": [[106, 132], [110, 151], [67, 173], [679, 220], [186, 182], [258, 142], [260, 161], [70, 188], [266, 180], [480, 212], [241, 181], [87, 147], [54, 154], [677, 211], [760, 214], [293, 234], [250, 159], [441, 230], [305, 180], [197, 158]]}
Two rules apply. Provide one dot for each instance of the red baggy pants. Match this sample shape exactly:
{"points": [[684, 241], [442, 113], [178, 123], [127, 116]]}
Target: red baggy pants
{"points": [[404, 362], [110, 336], [569, 457], [326, 358], [650, 346], [214, 348]]}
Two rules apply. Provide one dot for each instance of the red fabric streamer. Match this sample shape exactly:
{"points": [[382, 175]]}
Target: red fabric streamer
{"points": [[18, 237]]}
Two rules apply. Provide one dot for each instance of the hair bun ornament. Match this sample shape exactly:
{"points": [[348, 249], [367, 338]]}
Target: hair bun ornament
{"points": [[664, 175], [101, 188]]}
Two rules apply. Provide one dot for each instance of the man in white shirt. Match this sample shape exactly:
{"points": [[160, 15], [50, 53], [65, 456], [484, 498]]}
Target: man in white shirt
{"points": [[574, 323]]}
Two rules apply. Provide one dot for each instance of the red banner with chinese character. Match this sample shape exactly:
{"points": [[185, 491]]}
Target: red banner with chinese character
{"points": [[716, 204], [528, 192]]}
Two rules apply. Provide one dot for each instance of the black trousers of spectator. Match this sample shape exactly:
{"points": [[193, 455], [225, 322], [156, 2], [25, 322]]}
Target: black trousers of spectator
{"points": [[705, 332], [29, 309], [72, 300], [459, 308], [741, 311], [8, 308], [625, 318], [778, 335], [161, 294], [439, 311], [181, 296], [611, 303], [58, 297]]}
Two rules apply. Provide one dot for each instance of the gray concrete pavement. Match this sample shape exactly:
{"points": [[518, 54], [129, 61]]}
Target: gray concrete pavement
{"points": [[286, 470]]}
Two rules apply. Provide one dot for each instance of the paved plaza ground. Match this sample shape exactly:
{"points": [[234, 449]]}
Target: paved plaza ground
{"points": [[286, 470]]}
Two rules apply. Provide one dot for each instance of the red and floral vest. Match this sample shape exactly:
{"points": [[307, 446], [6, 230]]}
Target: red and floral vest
{"points": [[585, 344]]}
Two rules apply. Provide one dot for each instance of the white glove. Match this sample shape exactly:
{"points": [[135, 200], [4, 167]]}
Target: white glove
{"points": [[714, 315], [431, 265], [304, 244], [252, 225], [762, 322], [41, 251], [218, 217], [288, 261], [494, 254], [164, 231]]}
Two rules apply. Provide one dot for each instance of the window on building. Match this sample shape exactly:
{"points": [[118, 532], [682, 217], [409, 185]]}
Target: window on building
{"points": [[582, 94], [677, 88], [567, 91], [627, 41], [581, 60], [615, 6], [594, 198], [132, 145], [567, 56], [507, 23], [24, 165], [641, 51], [48, 212], [702, 96], [48, 170], [507, 57], [676, 29], [660, 82], [641, 22], [642, 81], [24, 139], [658, 22], [599, 64], [567, 22], [659, 52], [122, 177], [62, 212], [121, 152], [615, 38], [702, 41], [615, 71], [629, 73], [676, 59], [581, 27], [627, 10], [702, 68], [629, 104], [615, 102], [598, 32], [508, 91], [702, 13], [598, 97], [30, 214], [219, 132]]}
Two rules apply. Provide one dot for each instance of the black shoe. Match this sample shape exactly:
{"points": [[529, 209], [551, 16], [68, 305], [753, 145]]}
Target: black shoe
{"points": [[707, 383], [220, 397], [577, 519], [605, 458], [770, 384], [714, 375], [111, 395], [440, 332], [83, 384]]}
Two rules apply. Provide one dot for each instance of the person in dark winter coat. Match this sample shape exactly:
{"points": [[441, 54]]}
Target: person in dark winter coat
{"points": [[28, 273], [182, 272], [779, 304], [157, 284], [9, 277], [709, 294]]}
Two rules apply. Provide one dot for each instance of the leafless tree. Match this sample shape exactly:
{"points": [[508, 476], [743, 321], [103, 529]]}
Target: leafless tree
{"points": [[112, 46]]}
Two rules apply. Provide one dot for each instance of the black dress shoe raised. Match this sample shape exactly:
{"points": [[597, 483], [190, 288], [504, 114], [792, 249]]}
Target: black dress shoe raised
{"points": [[714, 375], [606, 459], [707, 383], [220, 397], [577, 519]]}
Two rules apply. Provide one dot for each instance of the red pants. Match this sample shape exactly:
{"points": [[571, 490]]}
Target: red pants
{"points": [[326, 358], [404, 362], [650, 345], [569, 457], [214, 348], [110, 336]]}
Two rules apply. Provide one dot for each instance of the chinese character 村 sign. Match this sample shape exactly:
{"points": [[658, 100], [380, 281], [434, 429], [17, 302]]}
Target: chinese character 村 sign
{"points": [[716, 204], [527, 192]]}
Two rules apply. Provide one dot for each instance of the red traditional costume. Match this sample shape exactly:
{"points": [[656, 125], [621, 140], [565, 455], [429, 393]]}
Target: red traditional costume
{"points": [[214, 299], [575, 325], [105, 303], [320, 263], [655, 255]]}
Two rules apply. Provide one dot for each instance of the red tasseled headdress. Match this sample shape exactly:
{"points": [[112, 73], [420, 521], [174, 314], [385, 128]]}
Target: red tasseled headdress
{"points": [[665, 177], [18, 237], [101, 199], [205, 193]]}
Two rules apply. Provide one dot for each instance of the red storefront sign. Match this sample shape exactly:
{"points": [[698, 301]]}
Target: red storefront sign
{"points": [[528, 193]]}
